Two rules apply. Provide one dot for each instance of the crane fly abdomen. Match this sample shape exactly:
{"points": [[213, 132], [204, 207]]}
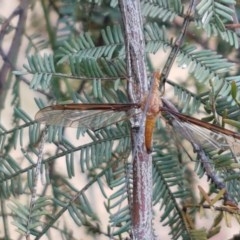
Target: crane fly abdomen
{"points": [[151, 104], [149, 127]]}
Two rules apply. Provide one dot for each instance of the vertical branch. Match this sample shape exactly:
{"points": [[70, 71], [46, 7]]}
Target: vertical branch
{"points": [[141, 209], [10, 57], [135, 49]]}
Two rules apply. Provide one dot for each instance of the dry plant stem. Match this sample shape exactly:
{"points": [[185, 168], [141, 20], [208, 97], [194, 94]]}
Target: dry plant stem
{"points": [[16, 43], [228, 209], [177, 44], [141, 209], [135, 49], [211, 174]]}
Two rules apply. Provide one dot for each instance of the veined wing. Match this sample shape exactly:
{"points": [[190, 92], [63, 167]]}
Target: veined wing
{"points": [[211, 127], [203, 136], [168, 107], [201, 133], [91, 116]]}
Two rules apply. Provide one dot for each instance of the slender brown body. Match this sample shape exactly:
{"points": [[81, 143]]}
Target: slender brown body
{"points": [[152, 103], [96, 116]]}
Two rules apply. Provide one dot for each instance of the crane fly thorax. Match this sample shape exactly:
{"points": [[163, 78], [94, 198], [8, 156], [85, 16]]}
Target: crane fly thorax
{"points": [[152, 101]]}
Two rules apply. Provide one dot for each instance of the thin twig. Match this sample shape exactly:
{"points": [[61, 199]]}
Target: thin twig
{"points": [[21, 10], [217, 208], [178, 43]]}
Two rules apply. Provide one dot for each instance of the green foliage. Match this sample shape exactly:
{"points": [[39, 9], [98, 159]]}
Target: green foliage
{"points": [[167, 173], [95, 61], [22, 215]]}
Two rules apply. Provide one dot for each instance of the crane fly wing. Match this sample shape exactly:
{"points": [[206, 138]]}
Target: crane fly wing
{"points": [[92, 119], [91, 116], [201, 133], [202, 136]]}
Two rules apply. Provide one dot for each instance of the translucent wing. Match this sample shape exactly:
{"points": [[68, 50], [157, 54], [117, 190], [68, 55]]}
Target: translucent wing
{"points": [[205, 137], [201, 133], [91, 116]]}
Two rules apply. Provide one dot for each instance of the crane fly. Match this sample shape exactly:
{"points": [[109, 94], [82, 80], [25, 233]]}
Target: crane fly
{"points": [[97, 116]]}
